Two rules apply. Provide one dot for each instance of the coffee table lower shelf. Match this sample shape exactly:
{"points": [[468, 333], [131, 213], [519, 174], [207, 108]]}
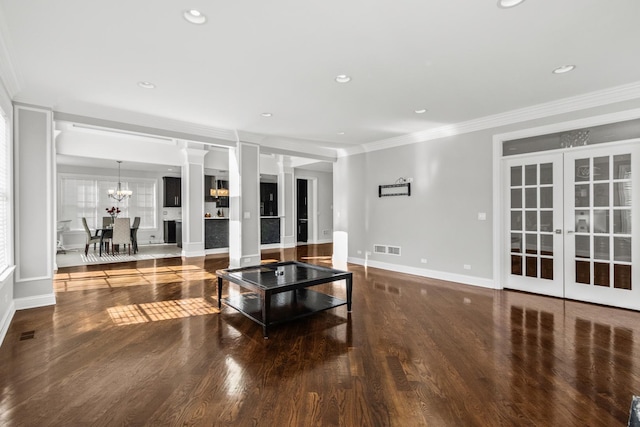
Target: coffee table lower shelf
{"points": [[285, 306]]}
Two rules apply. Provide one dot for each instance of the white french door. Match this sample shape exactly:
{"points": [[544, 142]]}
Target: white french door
{"points": [[572, 224], [534, 224], [603, 225]]}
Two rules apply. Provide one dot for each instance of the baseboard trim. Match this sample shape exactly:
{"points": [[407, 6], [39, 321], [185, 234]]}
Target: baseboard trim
{"points": [[6, 321], [34, 302], [423, 272]]}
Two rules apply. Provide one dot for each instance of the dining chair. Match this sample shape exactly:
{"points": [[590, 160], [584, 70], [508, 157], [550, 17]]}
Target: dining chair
{"points": [[106, 221], [90, 238], [134, 233], [121, 234]]}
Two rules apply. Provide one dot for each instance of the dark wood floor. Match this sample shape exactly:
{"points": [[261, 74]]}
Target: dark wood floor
{"points": [[144, 344]]}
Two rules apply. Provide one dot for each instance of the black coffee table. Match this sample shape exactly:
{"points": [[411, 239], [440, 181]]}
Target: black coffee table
{"points": [[279, 291]]}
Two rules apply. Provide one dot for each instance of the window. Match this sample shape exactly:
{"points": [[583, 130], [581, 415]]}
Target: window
{"points": [[82, 196], [4, 192]]}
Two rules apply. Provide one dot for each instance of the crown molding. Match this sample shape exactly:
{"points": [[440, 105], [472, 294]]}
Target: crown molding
{"points": [[271, 144], [581, 102]]}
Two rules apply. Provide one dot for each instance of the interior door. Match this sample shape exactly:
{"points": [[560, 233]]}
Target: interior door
{"points": [[302, 210], [603, 225], [534, 202]]}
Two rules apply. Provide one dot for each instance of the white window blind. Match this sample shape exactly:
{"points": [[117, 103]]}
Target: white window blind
{"points": [[4, 192], [81, 196]]}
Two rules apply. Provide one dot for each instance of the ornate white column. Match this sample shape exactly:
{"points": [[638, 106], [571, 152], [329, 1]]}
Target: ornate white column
{"points": [[34, 184], [286, 197], [244, 202], [193, 201]]}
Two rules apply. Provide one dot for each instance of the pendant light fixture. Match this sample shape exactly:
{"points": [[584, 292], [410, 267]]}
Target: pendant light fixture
{"points": [[119, 194]]}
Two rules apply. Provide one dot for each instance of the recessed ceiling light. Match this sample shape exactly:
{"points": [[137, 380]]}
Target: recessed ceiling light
{"points": [[506, 4], [564, 69], [194, 16], [340, 133], [146, 85], [343, 78], [420, 111], [266, 114]]}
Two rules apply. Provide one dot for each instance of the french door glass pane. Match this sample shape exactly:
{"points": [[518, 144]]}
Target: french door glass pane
{"points": [[622, 166], [532, 220], [601, 195], [531, 198], [531, 175], [516, 198], [582, 196], [582, 221], [601, 247], [582, 170], [583, 248], [532, 243], [601, 221], [546, 221], [622, 249], [516, 242], [622, 193], [622, 221], [601, 168], [516, 220], [516, 176]]}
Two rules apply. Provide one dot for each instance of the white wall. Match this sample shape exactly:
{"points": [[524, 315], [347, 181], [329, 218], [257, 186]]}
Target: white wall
{"points": [[452, 183]]}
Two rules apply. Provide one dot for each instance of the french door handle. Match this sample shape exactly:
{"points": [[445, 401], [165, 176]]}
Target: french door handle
{"points": [[570, 231], [558, 231]]}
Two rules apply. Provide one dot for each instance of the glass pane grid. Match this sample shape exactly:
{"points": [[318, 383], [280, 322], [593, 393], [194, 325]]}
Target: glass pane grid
{"points": [[531, 190], [603, 221]]}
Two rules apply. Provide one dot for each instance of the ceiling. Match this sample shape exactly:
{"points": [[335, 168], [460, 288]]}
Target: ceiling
{"points": [[459, 59]]}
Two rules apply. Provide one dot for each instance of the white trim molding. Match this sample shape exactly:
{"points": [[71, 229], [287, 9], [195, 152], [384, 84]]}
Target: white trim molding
{"points": [[37, 301], [566, 105], [6, 321], [423, 272]]}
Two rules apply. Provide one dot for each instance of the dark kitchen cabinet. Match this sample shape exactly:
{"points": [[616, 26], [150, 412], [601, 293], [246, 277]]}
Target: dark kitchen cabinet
{"points": [[170, 231], [216, 233], [268, 199], [172, 192]]}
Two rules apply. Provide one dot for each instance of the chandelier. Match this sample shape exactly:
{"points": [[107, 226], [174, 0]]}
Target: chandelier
{"points": [[219, 192], [119, 194]]}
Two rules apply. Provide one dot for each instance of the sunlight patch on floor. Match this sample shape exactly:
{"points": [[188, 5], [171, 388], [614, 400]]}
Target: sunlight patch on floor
{"points": [[161, 310]]}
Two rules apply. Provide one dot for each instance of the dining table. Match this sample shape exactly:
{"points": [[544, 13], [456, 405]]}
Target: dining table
{"points": [[107, 232]]}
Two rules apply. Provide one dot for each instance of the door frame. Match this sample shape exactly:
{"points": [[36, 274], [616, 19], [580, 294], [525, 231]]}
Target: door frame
{"points": [[499, 178], [312, 206]]}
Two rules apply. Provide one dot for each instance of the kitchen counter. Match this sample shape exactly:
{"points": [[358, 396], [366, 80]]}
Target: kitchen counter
{"points": [[217, 217]]}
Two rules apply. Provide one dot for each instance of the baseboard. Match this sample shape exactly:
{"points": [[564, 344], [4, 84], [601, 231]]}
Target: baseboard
{"points": [[34, 302], [6, 321], [321, 242], [423, 272]]}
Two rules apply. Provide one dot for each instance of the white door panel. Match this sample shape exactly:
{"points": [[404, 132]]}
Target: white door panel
{"points": [[603, 225], [534, 219]]}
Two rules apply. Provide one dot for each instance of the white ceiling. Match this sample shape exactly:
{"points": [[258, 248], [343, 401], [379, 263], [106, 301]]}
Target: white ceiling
{"points": [[460, 59]]}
